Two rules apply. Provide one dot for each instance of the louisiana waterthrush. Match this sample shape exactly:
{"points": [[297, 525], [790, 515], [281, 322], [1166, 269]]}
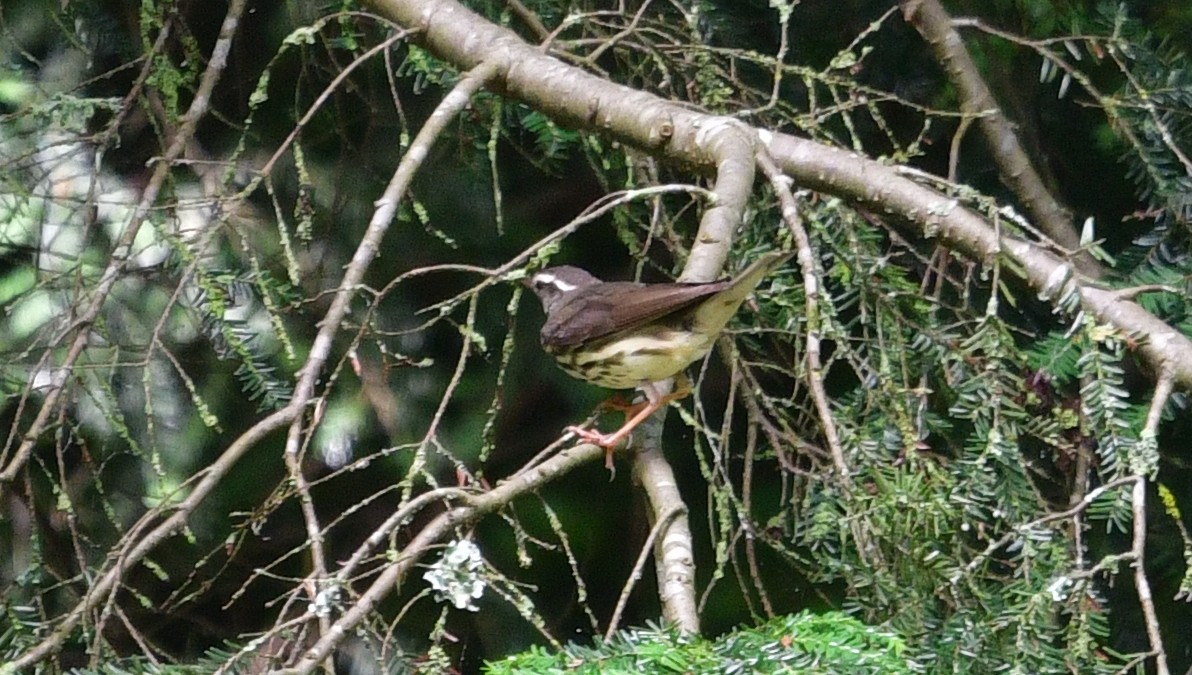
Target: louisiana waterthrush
{"points": [[621, 334]]}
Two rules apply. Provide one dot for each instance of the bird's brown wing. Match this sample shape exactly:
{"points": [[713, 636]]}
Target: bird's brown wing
{"points": [[617, 306]]}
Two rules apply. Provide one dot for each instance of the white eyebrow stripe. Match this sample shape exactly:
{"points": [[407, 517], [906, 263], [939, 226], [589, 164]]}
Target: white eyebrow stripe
{"points": [[548, 278]]}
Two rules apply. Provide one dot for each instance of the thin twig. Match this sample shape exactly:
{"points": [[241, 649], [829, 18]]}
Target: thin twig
{"points": [[324, 96], [435, 531], [635, 574], [815, 370], [106, 582], [457, 376], [1018, 530], [529, 18], [747, 506], [593, 212], [1163, 389], [610, 42]]}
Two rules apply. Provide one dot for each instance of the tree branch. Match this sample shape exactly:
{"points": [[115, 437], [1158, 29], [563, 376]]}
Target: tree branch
{"points": [[679, 134], [122, 250], [443, 525], [927, 213], [1144, 465], [111, 274], [1016, 169]]}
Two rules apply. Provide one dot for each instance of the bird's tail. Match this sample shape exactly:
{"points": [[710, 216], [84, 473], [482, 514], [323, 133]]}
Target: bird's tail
{"points": [[714, 314]]}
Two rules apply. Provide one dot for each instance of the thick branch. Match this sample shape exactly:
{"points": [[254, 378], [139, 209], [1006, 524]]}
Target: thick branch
{"points": [[571, 96], [1015, 167], [674, 550], [679, 134], [928, 213]]}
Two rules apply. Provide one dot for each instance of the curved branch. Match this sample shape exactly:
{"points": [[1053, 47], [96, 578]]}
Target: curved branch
{"points": [[734, 148], [679, 134]]}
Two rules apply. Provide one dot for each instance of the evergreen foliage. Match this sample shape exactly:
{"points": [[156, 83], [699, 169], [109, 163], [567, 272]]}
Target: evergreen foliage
{"points": [[996, 439], [802, 643]]}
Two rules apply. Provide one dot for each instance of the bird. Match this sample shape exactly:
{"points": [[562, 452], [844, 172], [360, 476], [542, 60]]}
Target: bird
{"points": [[624, 335]]}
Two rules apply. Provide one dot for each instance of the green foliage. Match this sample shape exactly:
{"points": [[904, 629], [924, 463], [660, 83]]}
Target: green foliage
{"points": [[800, 643], [552, 144], [228, 305], [1154, 106], [18, 631], [941, 529], [970, 500]]}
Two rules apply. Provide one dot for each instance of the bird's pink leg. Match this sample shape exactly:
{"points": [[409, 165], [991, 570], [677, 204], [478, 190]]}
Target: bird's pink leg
{"points": [[654, 402]]}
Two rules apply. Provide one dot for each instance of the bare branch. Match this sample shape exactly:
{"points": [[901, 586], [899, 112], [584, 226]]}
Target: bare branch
{"points": [[930, 214], [1138, 496], [122, 250], [1017, 170], [674, 552], [811, 284], [434, 532], [683, 135]]}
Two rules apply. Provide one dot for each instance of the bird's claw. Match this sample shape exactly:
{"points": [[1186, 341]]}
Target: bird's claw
{"points": [[590, 436], [606, 441]]}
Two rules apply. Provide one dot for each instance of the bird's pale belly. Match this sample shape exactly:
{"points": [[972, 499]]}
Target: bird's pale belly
{"points": [[628, 361]]}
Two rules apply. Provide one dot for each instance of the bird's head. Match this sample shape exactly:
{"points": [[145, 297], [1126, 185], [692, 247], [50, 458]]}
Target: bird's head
{"points": [[554, 284]]}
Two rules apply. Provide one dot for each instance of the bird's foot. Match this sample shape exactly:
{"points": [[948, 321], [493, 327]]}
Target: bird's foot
{"points": [[607, 441], [635, 414]]}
